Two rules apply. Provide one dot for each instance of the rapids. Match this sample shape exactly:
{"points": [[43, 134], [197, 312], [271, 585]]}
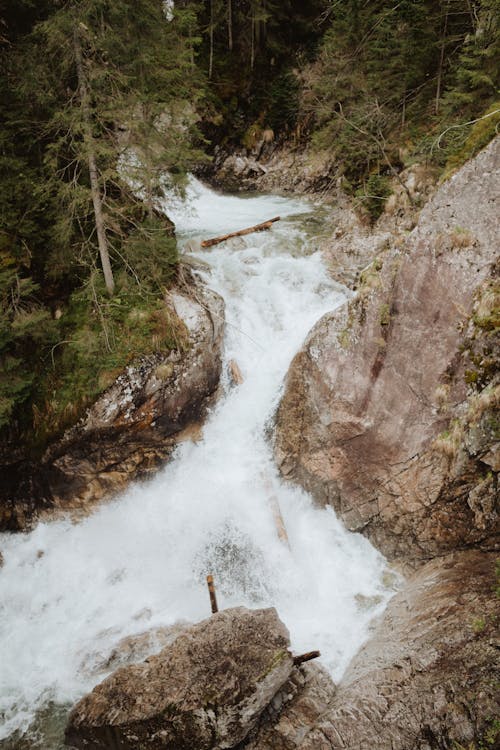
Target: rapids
{"points": [[69, 591]]}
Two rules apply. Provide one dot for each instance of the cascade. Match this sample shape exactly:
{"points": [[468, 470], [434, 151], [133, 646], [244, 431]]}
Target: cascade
{"points": [[70, 591]]}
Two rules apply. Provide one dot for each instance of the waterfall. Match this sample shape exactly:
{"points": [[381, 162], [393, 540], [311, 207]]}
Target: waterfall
{"points": [[69, 591]]}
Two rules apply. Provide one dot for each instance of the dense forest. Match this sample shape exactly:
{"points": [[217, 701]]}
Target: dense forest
{"points": [[106, 106]]}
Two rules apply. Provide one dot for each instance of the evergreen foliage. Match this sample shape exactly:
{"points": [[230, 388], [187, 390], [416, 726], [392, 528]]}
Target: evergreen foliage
{"points": [[397, 74], [100, 108], [99, 97]]}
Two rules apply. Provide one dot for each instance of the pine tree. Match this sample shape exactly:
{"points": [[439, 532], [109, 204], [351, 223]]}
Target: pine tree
{"points": [[477, 73], [86, 85], [116, 72]]}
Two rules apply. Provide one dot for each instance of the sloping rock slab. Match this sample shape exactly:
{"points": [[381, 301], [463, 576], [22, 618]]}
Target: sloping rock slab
{"points": [[133, 427], [206, 690], [428, 678], [378, 382], [294, 711]]}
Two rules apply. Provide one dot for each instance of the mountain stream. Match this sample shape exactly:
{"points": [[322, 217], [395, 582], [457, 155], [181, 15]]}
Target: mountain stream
{"points": [[69, 591]]}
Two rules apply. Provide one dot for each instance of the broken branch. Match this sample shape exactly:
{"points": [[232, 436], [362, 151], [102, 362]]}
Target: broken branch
{"points": [[305, 657], [235, 372]]}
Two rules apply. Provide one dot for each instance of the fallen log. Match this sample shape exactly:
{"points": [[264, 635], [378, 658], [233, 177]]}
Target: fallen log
{"points": [[276, 511], [257, 228], [278, 520]]}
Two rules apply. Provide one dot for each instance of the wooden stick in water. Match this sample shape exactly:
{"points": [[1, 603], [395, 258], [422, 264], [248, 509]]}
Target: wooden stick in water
{"points": [[257, 228], [235, 372], [211, 591], [276, 511], [278, 520]]}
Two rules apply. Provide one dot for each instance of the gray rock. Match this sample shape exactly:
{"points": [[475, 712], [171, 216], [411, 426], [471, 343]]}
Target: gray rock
{"points": [[206, 690], [295, 710], [133, 648], [428, 678], [368, 421]]}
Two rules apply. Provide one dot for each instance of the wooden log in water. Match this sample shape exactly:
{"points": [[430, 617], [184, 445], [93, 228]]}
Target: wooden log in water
{"points": [[235, 372], [276, 511], [257, 228], [278, 520], [211, 591]]}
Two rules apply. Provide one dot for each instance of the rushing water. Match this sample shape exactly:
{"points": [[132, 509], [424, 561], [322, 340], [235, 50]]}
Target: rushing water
{"points": [[69, 591]]}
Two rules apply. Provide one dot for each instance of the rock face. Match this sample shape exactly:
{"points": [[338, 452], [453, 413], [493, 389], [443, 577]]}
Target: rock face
{"points": [[294, 711], [388, 410], [207, 690], [269, 167], [427, 679], [133, 427]]}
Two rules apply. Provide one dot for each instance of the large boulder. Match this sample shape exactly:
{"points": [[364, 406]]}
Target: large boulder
{"points": [[133, 427], [206, 690], [388, 412]]}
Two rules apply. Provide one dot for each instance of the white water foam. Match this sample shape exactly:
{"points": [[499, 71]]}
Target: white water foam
{"points": [[70, 591]]}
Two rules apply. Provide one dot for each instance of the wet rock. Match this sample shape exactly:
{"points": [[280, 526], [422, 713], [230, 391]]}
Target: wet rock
{"points": [[207, 690], [294, 711], [368, 421], [426, 679], [132, 428], [273, 168], [134, 648]]}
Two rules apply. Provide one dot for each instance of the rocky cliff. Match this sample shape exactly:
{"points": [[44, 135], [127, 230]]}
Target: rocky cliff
{"points": [[389, 408], [426, 679], [133, 426]]}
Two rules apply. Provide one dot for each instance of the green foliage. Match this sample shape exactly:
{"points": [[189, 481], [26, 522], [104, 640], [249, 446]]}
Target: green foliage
{"points": [[151, 253], [479, 625], [390, 74], [468, 140], [139, 121], [374, 194], [99, 337], [283, 108], [24, 326]]}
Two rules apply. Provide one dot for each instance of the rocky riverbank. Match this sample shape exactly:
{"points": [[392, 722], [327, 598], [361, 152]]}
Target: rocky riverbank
{"points": [[132, 428], [426, 679], [390, 414]]}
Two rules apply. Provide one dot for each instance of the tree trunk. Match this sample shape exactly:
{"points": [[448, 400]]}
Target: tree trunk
{"points": [[240, 233], [441, 58], [211, 36], [252, 48], [229, 25], [92, 165]]}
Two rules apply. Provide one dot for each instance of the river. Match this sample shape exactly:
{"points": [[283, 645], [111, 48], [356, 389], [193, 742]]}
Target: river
{"points": [[69, 591]]}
